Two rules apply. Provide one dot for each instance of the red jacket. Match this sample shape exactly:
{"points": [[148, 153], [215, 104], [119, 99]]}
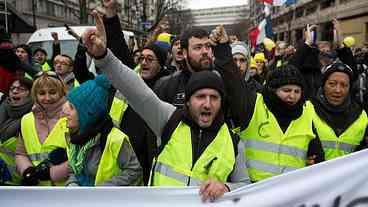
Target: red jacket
{"points": [[6, 79]]}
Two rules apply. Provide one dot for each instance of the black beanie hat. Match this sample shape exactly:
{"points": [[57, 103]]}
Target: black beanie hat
{"points": [[336, 67], [160, 53], [286, 75], [204, 79]]}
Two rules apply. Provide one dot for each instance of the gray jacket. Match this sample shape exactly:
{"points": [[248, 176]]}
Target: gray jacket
{"points": [[128, 163]]}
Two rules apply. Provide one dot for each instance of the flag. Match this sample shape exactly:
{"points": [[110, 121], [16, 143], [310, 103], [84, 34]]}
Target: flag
{"points": [[290, 2], [283, 2], [259, 33]]}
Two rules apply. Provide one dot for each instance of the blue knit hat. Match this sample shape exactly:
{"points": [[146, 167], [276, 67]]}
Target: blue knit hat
{"points": [[90, 101]]}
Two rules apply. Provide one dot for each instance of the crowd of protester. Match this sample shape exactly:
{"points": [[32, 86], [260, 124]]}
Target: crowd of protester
{"points": [[190, 109]]}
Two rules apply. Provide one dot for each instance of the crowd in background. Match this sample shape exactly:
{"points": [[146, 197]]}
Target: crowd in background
{"points": [[191, 109]]}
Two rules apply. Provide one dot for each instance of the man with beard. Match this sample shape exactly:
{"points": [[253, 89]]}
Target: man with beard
{"points": [[196, 146], [198, 56]]}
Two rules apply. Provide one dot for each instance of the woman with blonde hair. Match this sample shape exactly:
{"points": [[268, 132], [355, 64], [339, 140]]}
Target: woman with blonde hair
{"points": [[40, 155]]}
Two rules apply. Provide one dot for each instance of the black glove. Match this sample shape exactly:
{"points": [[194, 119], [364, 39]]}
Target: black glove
{"points": [[42, 170], [58, 156], [29, 177]]}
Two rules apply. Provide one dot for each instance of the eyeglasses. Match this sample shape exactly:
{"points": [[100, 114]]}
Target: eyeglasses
{"points": [[148, 59], [47, 73], [18, 88]]}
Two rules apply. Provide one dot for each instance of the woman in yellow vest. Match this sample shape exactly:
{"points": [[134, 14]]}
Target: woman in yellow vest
{"points": [[40, 154], [99, 153], [275, 125], [18, 103], [340, 122]]}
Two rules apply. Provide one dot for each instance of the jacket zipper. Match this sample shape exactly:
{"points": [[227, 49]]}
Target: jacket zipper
{"points": [[196, 153]]}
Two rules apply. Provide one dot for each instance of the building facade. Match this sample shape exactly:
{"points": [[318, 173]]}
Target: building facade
{"points": [[135, 15], [45, 13], [289, 22], [230, 17]]}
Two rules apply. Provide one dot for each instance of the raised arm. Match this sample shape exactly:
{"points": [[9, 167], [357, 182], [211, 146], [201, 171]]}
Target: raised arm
{"points": [[238, 96], [140, 97], [114, 34]]}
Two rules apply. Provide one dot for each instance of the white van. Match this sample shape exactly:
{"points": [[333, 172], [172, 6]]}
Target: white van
{"points": [[42, 38]]}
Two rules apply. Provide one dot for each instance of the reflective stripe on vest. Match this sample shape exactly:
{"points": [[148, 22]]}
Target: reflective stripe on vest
{"points": [[174, 165], [347, 148], [38, 157], [336, 146], [109, 165], [276, 148], [36, 151], [267, 167], [268, 150], [169, 172]]}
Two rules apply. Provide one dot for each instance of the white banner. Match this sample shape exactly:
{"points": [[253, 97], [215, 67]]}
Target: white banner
{"points": [[341, 182]]}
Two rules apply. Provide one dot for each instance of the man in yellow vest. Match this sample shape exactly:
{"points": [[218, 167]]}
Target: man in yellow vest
{"points": [[196, 146]]}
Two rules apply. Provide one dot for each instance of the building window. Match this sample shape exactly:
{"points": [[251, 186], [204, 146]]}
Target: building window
{"points": [[41, 6], [299, 12], [311, 10], [366, 32], [327, 3], [281, 36]]}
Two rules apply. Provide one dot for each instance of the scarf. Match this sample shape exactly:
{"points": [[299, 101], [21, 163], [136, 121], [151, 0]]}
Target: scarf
{"points": [[339, 118], [16, 112], [81, 145], [11, 120], [47, 116], [283, 112]]}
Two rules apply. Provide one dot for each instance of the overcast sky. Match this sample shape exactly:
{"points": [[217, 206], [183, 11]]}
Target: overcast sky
{"points": [[202, 4]]}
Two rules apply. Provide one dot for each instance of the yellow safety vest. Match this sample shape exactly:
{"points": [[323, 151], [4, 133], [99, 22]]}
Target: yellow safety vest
{"points": [[279, 63], [76, 83], [271, 152], [7, 153], [117, 110], [174, 165], [36, 151], [46, 67], [336, 146], [109, 167]]}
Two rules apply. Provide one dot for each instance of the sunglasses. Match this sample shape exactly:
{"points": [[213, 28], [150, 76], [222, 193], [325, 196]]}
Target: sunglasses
{"points": [[47, 73], [339, 66]]}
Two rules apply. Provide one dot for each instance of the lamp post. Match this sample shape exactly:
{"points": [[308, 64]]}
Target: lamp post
{"points": [[34, 13], [6, 16]]}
